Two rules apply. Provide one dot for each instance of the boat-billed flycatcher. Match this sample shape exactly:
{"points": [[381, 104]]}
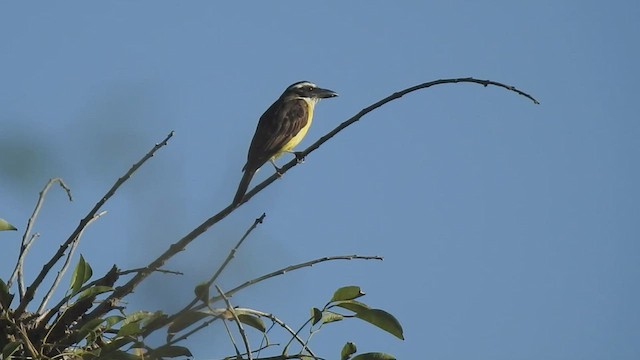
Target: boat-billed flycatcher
{"points": [[281, 128]]}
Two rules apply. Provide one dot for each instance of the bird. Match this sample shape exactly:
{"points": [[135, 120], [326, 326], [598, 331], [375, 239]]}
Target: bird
{"points": [[281, 128]]}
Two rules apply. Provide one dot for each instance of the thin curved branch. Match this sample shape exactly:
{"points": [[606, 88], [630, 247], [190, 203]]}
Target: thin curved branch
{"points": [[286, 270], [367, 110], [162, 271]]}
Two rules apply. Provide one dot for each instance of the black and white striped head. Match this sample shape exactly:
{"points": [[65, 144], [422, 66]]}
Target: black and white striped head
{"points": [[307, 90]]}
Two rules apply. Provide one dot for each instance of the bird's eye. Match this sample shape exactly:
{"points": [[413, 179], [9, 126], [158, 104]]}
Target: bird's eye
{"points": [[310, 88]]}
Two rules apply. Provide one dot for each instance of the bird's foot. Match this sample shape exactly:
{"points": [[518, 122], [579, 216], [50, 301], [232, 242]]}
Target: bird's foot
{"points": [[299, 156]]}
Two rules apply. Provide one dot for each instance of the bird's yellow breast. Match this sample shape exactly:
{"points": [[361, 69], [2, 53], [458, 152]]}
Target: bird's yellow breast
{"points": [[288, 147]]}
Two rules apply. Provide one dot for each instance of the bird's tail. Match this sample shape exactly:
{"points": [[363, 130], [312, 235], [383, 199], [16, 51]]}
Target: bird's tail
{"points": [[244, 185]]}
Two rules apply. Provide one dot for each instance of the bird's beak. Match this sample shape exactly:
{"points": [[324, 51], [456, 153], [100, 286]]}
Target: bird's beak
{"points": [[324, 93]]}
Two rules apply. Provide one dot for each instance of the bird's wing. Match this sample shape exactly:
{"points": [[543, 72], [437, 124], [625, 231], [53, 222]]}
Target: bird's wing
{"points": [[277, 126]]}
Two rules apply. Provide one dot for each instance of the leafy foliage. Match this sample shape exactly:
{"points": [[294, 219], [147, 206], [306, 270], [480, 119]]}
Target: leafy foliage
{"points": [[71, 330]]}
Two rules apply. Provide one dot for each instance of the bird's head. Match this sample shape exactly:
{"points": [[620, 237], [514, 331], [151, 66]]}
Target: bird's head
{"points": [[307, 90]]}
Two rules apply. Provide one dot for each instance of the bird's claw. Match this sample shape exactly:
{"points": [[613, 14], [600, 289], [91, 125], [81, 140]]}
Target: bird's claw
{"points": [[299, 157]]}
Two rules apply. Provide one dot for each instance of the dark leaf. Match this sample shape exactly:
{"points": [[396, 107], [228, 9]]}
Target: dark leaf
{"points": [[253, 321], [170, 351], [9, 349], [185, 320], [202, 292], [119, 355], [347, 293], [131, 324], [347, 350], [138, 316], [5, 296], [152, 316], [90, 326], [352, 305], [93, 291], [317, 315], [374, 356], [130, 329], [81, 274], [383, 320]]}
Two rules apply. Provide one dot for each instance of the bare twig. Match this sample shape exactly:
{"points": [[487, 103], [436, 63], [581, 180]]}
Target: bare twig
{"points": [[243, 334], [65, 266], [286, 270], [287, 357], [233, 251], [19, 269], [31, 290], [230, 257], [297, 267], [27, 238], [367, 110], [233, 341], [135, 271]]}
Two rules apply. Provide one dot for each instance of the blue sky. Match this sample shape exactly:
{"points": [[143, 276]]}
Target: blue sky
{"points": [[509, 230]]}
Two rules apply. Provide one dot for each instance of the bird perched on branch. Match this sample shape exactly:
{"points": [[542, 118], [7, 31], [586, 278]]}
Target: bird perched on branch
{"points": [[281, 128]]}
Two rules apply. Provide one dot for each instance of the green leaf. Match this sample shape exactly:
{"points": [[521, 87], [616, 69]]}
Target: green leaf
{"points": [[202, 292], [374, 356], [131, 324], [353, 305], [119, 355], [112, 320], [81, 274], [91, 325], [170, 351], [4, 225], [316, 314], [9, 349], [383, 320], [185, 320], [152, 316], [347, 293], [92, 291], [137, 316], [253, 321], [330, 316], [130, 329], [88, 355], [347, 350], [5, 296]]}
